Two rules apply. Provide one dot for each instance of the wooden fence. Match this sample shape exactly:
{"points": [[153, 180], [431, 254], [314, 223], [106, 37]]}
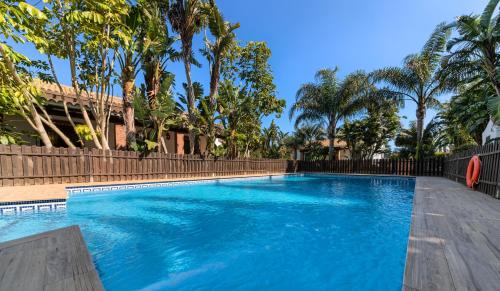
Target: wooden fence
{"points": [[403, 167], [489, 176], [31, 165]]}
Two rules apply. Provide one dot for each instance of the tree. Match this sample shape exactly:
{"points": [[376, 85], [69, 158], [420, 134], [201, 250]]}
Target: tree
{"points": [[187, 19], [156, 116], [312, 136], [328, 101], [214, 51], [156, 50], [205, 115], [88, 35], [406, 141], [370, 135], [473, 55], [466, 114], [241, 108], [294, 142], [452, 134], [129, 59], [237, 112], [273, 142], [418, 79], [18, 94]]}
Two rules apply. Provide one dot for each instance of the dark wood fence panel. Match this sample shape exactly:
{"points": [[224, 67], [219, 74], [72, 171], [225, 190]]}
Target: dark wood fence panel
{"points": [[403, 167], [489, 176], [31, 165]]}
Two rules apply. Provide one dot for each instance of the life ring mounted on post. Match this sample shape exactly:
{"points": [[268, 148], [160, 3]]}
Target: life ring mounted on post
{"points": [[472, 177]]}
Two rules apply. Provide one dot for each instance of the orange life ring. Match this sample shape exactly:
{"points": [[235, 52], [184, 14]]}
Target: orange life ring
{"points": [[472, 176]]}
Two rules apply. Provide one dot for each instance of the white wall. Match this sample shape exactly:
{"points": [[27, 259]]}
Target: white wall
{"points": [[492, 131]]}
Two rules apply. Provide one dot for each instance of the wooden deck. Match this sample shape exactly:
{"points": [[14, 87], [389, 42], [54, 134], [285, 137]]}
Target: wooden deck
{"points": [[55, 260], [454, 242]]}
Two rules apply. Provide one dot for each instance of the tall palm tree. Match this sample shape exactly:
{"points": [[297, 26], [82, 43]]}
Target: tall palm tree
{"points": [[129, 59], [186, 18], [473, 55], [328, 101], [214, 51], [156, 50], [418, 79]]}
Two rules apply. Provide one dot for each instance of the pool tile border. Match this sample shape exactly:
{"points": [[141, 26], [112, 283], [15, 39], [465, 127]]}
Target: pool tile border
{"points": [[82, 190], [23, 207]]}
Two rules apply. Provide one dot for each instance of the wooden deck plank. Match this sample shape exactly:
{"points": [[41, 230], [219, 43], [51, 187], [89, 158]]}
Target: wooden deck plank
{"points": [[54, 260], [454, 239]]}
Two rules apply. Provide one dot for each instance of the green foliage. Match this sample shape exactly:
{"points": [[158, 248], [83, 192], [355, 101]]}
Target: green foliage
{"points": [[249, 65], [406, 141], [274, 143], [472, 59], [328, 101], [418, 80], [241, 108], [156, 116], [9, 135], [83, 132], [370, 135]]}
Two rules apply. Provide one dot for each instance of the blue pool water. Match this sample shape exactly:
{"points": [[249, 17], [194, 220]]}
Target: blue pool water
{"points": [[312, 232]]}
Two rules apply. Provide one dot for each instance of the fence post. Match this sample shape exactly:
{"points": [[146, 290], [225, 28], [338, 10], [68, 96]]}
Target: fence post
{"points": [[89, 162]]}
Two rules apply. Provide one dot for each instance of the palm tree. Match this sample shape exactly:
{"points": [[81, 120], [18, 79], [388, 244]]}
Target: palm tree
{"points": [[156, 49], [328, 101], [214, 51], [473, 55], [295, 142], [418, 79], [223, 32], [406, 140], [186, 18], [129, 60]]}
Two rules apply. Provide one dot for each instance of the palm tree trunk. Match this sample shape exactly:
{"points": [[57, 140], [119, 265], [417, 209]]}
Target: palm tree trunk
{"points": [[214, 86], [128, 109], [192, 117], [332, 133], [420, 127]]}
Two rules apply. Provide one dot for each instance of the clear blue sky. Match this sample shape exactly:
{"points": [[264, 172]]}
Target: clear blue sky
{"points": [[305, 36]]}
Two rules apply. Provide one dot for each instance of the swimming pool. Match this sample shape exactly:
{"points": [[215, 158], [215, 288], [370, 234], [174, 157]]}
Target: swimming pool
{"points": [[304, 232]]}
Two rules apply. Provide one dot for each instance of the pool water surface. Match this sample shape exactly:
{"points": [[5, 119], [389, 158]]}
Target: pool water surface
{"points": [[304, 232]]}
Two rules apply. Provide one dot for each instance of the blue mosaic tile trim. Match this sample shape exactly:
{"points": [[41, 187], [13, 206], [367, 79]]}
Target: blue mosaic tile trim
{"points": [[72, 191], [32, 207], [32, 202]]}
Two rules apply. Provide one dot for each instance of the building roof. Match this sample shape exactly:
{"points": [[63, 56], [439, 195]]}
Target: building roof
{"points": [[338, 143], [51, 92]]}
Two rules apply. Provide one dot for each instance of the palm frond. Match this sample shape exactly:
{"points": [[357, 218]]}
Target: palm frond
{"points": [[488, 12]]}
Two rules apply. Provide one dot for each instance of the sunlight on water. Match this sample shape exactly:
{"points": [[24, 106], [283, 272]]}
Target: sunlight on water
{"points": [[283, 233]]}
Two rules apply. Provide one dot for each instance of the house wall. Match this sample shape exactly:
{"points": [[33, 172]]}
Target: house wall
{"points": [[116, 136], [492, 131], [30, 137], [20, 125], [179, 138], [169, 138], [203, 144]]}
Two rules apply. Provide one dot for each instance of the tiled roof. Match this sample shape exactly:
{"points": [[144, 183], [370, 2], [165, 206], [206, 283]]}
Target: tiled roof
{"points": [[51, 92]]}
